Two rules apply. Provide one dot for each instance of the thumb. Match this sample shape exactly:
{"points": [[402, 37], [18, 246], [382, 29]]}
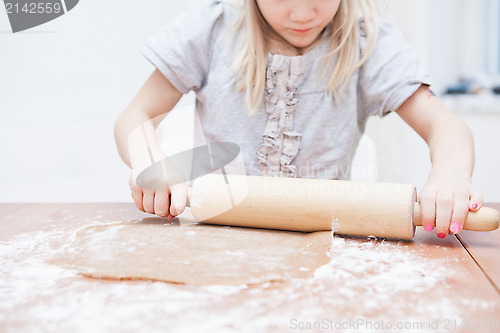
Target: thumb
{"points": [[178, 198]]}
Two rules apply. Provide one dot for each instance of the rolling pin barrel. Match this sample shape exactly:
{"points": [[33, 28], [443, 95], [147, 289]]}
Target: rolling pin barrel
{"points": [[348, 208]]}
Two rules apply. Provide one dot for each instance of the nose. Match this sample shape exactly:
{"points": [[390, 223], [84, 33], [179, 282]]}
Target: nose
{"points": [[303, 12]]}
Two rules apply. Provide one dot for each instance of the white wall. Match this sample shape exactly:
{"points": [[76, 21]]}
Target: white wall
{"points": [[62, 85]]}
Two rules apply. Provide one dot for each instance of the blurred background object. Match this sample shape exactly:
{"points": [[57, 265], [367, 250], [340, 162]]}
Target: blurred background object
{"points": [[458, 41]]}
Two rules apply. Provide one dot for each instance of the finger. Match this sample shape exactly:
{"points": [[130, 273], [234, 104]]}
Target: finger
{"points": [[148, 200], [161, 202], [460, 210], [178, 199], [444, 208], [475, 201], [428, 209], [138, 200], [137, 194], [131, 181]]}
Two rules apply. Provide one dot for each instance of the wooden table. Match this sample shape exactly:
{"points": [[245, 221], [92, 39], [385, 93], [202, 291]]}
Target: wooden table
{"points": [[423, 285]]}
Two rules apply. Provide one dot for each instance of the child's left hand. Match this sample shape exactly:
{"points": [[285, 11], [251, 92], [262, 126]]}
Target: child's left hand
{"points": [[445, 200]]}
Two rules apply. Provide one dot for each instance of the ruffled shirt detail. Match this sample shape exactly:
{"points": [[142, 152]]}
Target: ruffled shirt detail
{"points": [[281, 143]]}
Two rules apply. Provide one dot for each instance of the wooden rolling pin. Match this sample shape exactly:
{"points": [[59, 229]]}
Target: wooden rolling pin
{"points": [[348, 208]]}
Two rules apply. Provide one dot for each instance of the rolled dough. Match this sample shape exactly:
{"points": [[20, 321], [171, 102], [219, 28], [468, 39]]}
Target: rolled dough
{"points": [[194, 254]]}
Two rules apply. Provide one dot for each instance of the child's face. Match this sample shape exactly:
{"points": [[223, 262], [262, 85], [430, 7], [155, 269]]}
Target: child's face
{"points": [[299, 22]]}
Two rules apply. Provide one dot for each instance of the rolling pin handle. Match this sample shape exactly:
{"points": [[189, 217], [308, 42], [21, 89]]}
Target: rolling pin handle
{"points": [[485, 219]]}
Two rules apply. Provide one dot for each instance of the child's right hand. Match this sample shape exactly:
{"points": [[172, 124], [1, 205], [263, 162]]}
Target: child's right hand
{"points": [[168, 202]]}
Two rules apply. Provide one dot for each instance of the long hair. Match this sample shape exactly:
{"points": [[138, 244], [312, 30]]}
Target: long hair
{"points": [[251, 61]]}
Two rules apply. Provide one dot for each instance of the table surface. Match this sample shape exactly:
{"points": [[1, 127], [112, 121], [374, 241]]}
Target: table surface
{"points": [[423, 285]]}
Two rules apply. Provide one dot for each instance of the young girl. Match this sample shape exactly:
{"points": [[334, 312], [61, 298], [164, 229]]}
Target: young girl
{"points": [[292, 82]]}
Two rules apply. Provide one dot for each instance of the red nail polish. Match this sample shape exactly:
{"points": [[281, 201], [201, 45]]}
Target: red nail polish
{"points": [[428, 227], [455, 228], [441, 235], [474, 206]]}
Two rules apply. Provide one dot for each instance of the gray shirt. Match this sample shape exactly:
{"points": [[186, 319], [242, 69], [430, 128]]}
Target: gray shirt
{"points": [[300, 130]]}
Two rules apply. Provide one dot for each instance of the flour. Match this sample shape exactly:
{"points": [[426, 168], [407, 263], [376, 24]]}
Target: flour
{"points": [[391, 278], [336, 226]]}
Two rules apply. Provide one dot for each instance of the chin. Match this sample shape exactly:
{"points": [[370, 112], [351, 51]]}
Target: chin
{"points": [[300, 44]]}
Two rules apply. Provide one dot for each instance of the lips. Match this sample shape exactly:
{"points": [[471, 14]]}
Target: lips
{"points": [[302, 31]]}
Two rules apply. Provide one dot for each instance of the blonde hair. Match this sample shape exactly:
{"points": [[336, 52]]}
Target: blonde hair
{"points": [[251, 61]]}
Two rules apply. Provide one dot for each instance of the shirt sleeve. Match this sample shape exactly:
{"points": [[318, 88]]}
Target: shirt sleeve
{"points": [[182, 49], [391, 74]]}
